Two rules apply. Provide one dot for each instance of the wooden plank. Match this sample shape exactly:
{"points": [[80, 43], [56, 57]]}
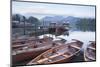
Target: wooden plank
{"points": [[42, 60], [92, 48], [75, 47], [56, 55], [65, 56]]}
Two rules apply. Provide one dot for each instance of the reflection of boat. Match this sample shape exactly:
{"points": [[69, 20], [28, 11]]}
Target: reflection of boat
{"points": [[90, 52], [58, 54]]}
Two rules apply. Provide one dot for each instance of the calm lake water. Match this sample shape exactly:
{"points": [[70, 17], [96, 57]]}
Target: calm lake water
{"points": [[85, 37]]}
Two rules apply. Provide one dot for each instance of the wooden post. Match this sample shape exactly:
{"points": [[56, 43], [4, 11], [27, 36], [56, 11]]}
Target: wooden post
{"points": [[24, 28]]}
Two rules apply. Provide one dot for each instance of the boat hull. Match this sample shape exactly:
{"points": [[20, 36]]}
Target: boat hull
{"points": [[26, 55], [90, 52]]}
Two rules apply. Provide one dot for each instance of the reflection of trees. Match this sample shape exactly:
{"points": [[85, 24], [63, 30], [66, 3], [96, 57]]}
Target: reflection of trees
{"points": [[24, 20], [86, 24]]}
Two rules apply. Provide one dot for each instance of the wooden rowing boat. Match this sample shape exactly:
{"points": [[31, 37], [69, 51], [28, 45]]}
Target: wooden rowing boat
{"points": [[58, 54], [28, 52], [26, 41], [31, 50], [18, 46], [46, 39], [90, 52], [23, 40]]}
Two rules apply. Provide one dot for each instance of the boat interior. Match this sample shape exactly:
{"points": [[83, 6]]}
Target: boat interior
{"points": [[90, 53], [56, 54]]}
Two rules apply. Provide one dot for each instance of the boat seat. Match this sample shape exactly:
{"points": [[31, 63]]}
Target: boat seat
{"points": [[92, 48], [42, 60], [46, 58], [65, 56], [58, 54], [75, 47]]}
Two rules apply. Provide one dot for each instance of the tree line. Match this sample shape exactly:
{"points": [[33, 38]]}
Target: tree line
{"points": [[20, 18], [86, 24]]}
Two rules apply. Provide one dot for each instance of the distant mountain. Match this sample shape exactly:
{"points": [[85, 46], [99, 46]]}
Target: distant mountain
{"points": [[49, 19], [58, 19], [70, 19], [53, 19]]}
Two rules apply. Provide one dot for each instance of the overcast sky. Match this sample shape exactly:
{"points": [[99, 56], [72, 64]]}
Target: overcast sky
{"points": [[40, 9]]}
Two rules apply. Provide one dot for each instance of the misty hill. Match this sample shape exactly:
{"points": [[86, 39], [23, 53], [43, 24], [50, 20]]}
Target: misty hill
{"points": [[59, 19], [76, 23]]}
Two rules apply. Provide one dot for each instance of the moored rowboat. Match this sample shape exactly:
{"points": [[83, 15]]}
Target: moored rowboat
{"points": [[58, 54], [31, 50], [28, 52], [22, 42], [90, 52]]}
